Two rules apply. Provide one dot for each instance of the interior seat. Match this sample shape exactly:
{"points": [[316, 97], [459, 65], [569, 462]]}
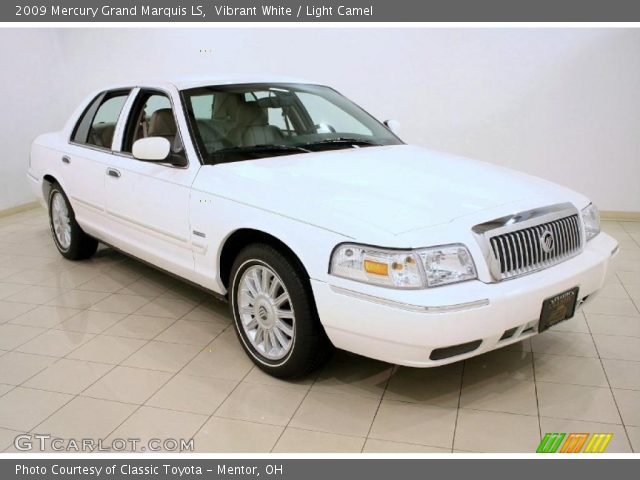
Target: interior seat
{"points": [[106, 135], [225, 111], [162, 124], [252, 127], [101, 135]]}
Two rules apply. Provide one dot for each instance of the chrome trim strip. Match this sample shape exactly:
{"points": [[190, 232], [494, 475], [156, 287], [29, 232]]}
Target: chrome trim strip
{"points": [[146, 227], [411, 307], [562, 231], [524, 250], [529, 218], [90, 205]]}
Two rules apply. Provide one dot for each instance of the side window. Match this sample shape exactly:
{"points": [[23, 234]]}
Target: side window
{"points": [[81, 130], [281, 118], [328, 117], [152, 116], [277, 116], [215, 115], [202, 106], [98, 123]]}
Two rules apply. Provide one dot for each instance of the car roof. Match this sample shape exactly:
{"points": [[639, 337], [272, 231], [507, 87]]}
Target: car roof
{"points": [[194, 82]]}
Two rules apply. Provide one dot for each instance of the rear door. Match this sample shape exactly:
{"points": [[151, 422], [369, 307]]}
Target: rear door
{"points": [[90, 151], [147, 203]]}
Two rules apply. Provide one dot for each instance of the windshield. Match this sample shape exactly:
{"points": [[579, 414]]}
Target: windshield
{"points": [[241, 122]]}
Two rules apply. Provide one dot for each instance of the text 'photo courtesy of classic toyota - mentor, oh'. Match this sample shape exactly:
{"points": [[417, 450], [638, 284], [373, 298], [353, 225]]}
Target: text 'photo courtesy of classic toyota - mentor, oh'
{"points": [[317, 223]]}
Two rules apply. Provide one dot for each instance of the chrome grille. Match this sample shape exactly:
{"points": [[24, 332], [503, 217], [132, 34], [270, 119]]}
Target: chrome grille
{"points": [[528, 241], [522, 251]]}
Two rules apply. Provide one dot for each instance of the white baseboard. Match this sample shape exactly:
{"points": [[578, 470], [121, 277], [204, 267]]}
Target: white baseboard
{"points": [[620, 216], [20, 208]]}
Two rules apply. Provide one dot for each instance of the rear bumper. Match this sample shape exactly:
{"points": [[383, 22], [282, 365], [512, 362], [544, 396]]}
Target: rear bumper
{"points": [[36, 187], [406, 327]]}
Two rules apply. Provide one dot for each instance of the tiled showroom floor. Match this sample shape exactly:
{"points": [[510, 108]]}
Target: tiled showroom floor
{"points": [[109, 348]]}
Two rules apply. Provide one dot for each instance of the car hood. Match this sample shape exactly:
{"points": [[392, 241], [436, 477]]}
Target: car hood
{"points": [[395, 189]]}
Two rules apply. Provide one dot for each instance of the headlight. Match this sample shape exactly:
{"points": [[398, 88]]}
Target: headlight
{"points": [[591, 220], [447, 264], [425, 267]]}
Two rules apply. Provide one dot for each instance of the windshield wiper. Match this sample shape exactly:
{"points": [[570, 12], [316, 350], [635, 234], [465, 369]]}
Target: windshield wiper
{"points": [[257, 149], [343, 141], [262, 148]]}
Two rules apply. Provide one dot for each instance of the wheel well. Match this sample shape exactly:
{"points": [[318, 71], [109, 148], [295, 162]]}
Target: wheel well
{"points": [[47, 183], [244, 237]]}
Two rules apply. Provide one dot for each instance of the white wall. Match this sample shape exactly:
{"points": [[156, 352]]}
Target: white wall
{"points": [[563, 104], [31, 80]]}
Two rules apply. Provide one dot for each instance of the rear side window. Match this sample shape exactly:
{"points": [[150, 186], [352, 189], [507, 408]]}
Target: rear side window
{"points": [[98, 122]]}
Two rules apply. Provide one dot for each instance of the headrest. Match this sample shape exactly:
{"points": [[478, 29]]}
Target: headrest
{"points": [[106, 135], [225, 106], [162, 123], [250, 114]]}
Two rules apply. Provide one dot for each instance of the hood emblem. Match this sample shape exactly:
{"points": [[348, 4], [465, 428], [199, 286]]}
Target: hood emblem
{"points": [[547, 241]]}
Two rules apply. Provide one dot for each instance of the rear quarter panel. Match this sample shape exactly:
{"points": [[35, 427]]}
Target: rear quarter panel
{"points": [[45, 160]]}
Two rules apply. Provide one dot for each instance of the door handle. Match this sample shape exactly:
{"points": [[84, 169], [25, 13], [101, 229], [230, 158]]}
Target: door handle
{"points": [[66, 159], [112, 172]]}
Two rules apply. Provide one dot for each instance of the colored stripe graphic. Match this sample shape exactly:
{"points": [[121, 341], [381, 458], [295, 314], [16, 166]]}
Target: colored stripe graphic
{"points": [[574, 443], [598, 442], [550, 443]]}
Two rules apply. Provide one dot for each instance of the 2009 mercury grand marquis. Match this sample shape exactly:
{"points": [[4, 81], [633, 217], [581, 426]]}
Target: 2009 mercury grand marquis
{"points": [[320, 226]]}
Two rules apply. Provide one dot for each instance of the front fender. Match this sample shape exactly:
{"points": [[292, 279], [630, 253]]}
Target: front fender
{"points": [[218, 218]]}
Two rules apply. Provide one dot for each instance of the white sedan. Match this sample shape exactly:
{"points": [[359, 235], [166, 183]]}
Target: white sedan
{"points": [[317, 223]]}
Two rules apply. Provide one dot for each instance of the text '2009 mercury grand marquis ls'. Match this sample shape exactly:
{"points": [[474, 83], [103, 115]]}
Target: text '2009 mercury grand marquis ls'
{"points": [[317, 223]]}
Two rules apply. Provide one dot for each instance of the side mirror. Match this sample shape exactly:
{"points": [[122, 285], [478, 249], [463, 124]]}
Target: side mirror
{"points": [[151, 149], [393, 125]]}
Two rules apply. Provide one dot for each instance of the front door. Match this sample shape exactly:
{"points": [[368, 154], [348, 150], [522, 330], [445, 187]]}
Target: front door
{"points": [[147, 203]]}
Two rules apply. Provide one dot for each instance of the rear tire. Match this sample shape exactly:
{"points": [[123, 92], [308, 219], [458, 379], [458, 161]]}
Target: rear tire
{"points": [[274, 313], [70, 240]]}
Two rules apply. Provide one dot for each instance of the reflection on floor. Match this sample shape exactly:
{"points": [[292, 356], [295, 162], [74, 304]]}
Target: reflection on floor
{"points": [[111, 349]]}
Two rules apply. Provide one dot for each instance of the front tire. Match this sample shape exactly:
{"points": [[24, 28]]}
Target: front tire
{"points": [[274, 313], [69, 238]]}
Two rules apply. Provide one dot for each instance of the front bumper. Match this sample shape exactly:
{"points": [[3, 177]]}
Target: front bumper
{"points": [[406, 327]]}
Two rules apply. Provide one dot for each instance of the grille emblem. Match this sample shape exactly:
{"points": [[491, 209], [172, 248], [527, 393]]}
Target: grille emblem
{"points": [[547, 241]]}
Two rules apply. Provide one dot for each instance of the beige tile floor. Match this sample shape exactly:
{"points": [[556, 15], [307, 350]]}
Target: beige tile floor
{"points": [[109, 348]]}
